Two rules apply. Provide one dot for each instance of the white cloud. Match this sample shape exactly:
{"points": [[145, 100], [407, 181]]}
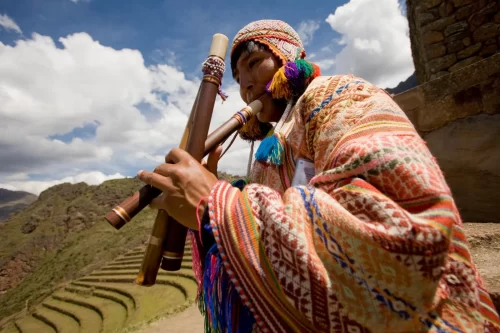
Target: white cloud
{"points": [[8, 24], [325, 64], [375, 34], [47, 90], [37, 186], [306, 30]]}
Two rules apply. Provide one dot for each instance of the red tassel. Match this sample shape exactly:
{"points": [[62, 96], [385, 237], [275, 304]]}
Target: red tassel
{"points": [[317, 71]]}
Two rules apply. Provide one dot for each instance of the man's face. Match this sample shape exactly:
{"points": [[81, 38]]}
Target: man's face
{"points": [[253, 72]]}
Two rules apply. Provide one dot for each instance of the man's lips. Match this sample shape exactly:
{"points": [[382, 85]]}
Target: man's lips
{"points": [[254, 99]]}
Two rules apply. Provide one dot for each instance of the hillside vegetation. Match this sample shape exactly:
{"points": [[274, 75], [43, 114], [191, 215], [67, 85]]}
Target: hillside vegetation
{"points": [[61, 237], [107, 300]]}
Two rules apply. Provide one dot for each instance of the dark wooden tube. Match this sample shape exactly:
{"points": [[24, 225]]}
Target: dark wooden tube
{"points": [[140, 199], [175, 240], [125, 211], [154, 247], [154, 250]]}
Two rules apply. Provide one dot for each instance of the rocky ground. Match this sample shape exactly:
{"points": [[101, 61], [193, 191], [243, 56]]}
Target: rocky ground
{"points": [[484, 239]]}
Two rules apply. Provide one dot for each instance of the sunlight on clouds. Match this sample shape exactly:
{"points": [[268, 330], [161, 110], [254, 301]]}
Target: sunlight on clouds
{"points": [[8, 24], [49, 91], [380, 53], [306, 30], [17, 176], [325, 64]]}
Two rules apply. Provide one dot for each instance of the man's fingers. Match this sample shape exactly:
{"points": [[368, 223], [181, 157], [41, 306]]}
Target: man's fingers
{"points": [[156, 180], [165, 169], [213, 160], [176, 155]]}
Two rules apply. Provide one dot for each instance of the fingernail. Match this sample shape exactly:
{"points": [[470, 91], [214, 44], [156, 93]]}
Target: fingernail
{"points": [[139, 174]]}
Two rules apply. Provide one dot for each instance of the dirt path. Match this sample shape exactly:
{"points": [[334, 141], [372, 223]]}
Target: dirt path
{"points": [[484, 240], [188, 321]]}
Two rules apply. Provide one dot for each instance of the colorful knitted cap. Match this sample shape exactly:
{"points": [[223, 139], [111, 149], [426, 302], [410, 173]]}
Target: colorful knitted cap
{"points": [[291, 79], [281, 39]]}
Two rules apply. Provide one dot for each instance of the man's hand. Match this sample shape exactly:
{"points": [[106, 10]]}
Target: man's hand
{"points": [[184, 182]]}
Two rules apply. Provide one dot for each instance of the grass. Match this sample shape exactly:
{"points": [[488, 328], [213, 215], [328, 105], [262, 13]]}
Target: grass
{"points": [[81, 270], [31, 324], [10, 328], [114, 315], [64, 312], [90, 321], [56, 255], [59, 321], [107, 300], [94, 246], [122, 292], [159, 299]]}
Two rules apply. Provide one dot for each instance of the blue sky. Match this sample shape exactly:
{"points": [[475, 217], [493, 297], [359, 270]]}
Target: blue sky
{"points": [[98, 89], [151, 26]]}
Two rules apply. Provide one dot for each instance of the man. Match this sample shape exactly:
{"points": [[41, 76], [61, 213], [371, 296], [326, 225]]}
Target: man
{"points": [[373, 242]]}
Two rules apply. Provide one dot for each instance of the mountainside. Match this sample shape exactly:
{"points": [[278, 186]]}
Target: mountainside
{"points": [[409, 83], [14, 201], [63, 236], [107, 300]]}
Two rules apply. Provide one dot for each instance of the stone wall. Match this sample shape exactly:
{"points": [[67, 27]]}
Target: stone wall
{"points": [[447, 35], [458, 115]]}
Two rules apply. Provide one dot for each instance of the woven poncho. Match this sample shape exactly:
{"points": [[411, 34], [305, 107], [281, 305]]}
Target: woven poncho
{"points": [[373, 243]]}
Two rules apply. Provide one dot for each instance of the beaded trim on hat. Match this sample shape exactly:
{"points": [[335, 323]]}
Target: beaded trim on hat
{"points": [[276, 34]]}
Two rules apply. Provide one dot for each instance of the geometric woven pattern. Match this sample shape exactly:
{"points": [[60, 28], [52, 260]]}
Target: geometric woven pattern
{"points": [[372, 244]]}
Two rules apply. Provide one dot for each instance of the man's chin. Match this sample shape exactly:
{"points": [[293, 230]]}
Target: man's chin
{"points": [[262, 117]]}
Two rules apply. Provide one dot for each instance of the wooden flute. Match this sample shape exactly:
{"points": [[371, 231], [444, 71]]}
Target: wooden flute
{"points": [[168, 237], [158, 240], [125, 211]]}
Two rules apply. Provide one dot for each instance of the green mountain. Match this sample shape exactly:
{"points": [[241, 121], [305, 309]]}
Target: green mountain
{"points": [[14, 201], [63, 236]]}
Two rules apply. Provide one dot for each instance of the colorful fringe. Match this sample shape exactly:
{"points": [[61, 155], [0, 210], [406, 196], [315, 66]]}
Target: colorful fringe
{"points": [[271, 150], [219, 301], [197, 263], [292, 79], [217, 298], [222, 94]]}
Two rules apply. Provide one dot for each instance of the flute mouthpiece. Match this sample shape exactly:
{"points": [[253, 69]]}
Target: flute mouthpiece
{"points": [[255, 106], [219, 46]]}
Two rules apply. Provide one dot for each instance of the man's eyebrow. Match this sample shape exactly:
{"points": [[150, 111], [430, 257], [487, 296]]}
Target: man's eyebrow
{"points": [[243, 57]]}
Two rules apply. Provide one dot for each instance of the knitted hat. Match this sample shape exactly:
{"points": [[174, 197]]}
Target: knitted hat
{"points": [[291, 79], [282, 40]]}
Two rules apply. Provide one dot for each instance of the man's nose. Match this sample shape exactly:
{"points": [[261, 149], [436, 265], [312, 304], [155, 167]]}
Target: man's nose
{"points": [[246, 84]]}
